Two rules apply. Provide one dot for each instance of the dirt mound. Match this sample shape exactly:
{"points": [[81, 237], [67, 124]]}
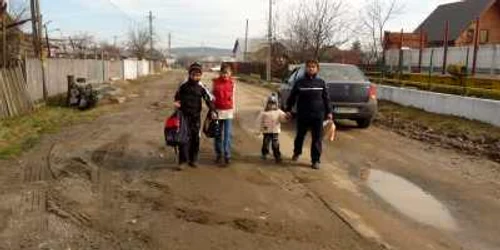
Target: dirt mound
{"points": [[470, 137]]}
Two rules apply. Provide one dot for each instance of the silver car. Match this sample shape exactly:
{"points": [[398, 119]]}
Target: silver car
{"points": [[352, 95]]}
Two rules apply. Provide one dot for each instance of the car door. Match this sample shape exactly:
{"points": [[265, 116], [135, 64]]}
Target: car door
{"points": [[286, 87]]}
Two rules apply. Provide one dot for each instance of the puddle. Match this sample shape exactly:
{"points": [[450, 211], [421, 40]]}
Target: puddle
{"points": [[409, 199]]}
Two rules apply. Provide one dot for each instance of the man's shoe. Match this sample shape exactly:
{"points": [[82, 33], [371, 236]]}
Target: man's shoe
{"points": [[193, 164], [227, 161], [316, 166], [295, 157], [263, 157], [279, 161], [181, 167], [218, 160]]}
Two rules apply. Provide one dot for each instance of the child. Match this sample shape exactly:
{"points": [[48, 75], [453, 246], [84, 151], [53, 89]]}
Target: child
{"points": [[224, 90], [270, 126], [188, 100]]}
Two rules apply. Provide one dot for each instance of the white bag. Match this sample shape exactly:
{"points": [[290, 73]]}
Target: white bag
{"points": [[329, 130]]}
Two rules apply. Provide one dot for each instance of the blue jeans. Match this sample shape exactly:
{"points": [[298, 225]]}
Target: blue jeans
{"points": [[223, 143]]}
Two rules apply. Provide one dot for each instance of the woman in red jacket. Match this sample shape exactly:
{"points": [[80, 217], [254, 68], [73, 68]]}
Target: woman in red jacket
{"points": [[223, 91]]}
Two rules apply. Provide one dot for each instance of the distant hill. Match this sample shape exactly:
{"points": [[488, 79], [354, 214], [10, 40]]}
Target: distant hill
{"points": [[201, 52]]}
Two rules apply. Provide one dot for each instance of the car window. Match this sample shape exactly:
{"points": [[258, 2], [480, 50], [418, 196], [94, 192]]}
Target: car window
{"points": [[291, 79], [299, 74], [335, 73]]}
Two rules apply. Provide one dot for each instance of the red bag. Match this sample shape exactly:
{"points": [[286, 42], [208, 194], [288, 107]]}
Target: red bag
{"points": [[172, 122]]}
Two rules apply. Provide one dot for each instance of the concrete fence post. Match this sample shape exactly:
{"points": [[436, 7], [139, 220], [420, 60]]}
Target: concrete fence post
{"points": [[493, 59]]}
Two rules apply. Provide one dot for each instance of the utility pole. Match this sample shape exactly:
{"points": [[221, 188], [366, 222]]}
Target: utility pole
{"points": [[4, 40], [246, 44], [151, 17], [47, 40], [37, 41], [169, 44], [34, 19], [115, 38], [270, 41]]}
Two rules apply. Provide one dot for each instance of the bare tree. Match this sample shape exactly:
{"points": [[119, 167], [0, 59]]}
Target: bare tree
{"points": [[315, 27], [376, 14], [82, 44], [138, 42], [110, 50]]}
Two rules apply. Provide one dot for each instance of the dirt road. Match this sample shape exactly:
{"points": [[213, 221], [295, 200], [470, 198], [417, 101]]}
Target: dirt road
{"points": [[110, 184]]}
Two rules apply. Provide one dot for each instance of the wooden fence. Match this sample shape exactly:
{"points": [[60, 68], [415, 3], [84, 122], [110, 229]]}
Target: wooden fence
{"points": [[14, 96]]}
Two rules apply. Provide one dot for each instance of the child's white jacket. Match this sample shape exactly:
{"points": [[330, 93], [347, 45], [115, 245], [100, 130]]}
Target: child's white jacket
{"points": [[270, 121]]}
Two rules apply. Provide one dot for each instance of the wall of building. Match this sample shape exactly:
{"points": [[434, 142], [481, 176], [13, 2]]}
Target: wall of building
{"points": [[490, 21]]}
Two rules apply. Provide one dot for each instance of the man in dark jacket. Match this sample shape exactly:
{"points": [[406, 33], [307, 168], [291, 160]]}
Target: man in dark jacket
{"points": [[313, 106], [188, 99]]}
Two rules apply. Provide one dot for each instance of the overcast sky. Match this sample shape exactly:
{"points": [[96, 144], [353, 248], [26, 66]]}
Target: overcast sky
{"points": [[214, 23]]}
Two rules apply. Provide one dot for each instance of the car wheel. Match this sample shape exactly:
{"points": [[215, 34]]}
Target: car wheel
{"points": [[364, 123]]}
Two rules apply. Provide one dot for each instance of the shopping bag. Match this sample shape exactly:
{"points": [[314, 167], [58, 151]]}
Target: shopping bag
{"points": [[329, 130]]}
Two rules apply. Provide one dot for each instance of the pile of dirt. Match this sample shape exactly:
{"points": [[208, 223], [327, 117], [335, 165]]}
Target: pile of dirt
{"points": [[466, 136]]}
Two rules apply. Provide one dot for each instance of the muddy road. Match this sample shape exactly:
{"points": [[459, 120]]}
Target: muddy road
{"points": [[111, 184]]}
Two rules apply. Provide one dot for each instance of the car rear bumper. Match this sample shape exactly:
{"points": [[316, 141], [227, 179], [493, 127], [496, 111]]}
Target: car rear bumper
{"points": [[366, 110]]}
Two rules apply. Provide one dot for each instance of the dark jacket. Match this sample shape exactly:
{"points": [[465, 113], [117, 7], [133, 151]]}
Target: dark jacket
{"points": [[312, 98], [190, 94]]}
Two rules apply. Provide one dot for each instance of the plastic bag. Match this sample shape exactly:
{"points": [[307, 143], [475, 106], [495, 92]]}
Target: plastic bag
{"points": [[329, 130]]}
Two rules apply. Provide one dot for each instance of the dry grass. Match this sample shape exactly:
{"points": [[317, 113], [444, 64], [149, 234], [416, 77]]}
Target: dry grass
{"points": [[22, 133]]}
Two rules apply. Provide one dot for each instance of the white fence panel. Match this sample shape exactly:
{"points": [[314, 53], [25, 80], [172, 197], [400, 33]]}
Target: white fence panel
{"points": [[130, 69]]}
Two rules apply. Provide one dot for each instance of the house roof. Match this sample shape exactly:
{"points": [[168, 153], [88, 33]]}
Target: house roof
{"points": [[254, 44], [459, 15]]}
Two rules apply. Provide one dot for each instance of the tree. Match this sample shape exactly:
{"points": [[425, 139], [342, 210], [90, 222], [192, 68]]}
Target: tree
{"points": [[110, 50], [375, 16], [356, 46], [138, 42], [314, 27], [82, 44]]}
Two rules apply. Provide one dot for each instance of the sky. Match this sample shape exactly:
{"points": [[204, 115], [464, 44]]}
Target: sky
{"points": [[214, 23]]}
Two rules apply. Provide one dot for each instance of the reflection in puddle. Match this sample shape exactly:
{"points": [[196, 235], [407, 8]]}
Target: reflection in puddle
{"points": [[409, 199]]}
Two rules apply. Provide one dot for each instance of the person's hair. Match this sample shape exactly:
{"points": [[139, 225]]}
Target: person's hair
{"points": [[195, 68], [225, 68], [271, 106], [312, 62]]}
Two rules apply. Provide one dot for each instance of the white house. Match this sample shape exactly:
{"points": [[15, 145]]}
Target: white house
{"points": [[253, 45]]}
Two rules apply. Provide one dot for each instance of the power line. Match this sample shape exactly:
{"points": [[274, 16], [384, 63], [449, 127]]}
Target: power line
{"points": [[124, 13]]}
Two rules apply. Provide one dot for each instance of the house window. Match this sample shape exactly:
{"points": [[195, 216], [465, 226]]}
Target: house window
{"points": [[483, 36]]}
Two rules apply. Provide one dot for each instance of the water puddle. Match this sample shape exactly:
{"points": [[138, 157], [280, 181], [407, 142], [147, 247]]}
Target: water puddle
{"points": [[409, 199]]}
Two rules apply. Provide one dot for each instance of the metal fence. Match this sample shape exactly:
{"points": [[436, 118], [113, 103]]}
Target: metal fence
{"points": [[488, 59]]}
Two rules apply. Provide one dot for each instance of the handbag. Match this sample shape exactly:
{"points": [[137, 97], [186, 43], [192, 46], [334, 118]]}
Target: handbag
{"points": [[211, 127]]}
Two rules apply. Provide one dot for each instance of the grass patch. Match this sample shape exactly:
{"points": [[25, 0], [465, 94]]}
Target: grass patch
{"points": [[23, 133], [469, 136], [442, 124], [442, 88]]}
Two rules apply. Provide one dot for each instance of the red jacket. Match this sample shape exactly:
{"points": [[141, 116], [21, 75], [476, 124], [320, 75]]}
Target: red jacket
{"points": [[223, 90]]}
